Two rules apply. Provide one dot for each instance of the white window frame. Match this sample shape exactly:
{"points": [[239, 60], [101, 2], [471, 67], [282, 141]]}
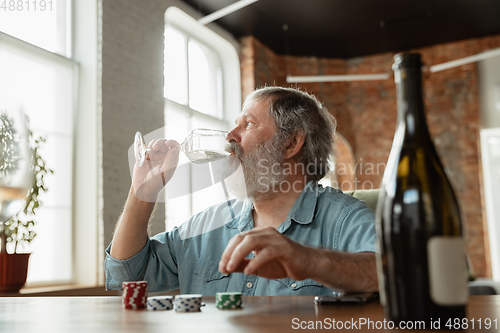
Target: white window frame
{"points": [[491, 174], [230, 64], [88, 227], [230, 67], [88, 202], [43, 54]]}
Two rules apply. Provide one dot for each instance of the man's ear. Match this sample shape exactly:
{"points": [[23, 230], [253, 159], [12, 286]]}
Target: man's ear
{"points": [[294, 145]]}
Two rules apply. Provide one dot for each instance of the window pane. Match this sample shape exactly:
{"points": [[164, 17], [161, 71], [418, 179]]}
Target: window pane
{"points": [[203, 80], [42, 23], [203, 86], [203, 122], [57, 152], [42, 84], [175, 66], [51, 248]]}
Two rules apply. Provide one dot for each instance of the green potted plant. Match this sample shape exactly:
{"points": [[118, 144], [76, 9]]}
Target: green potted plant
{"points": [[19, 230]]}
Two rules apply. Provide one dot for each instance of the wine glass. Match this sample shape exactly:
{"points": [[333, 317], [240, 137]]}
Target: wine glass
{"points": [[16, 173], [200, 146]]}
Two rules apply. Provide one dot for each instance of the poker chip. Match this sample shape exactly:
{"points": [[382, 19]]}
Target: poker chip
{"points": [[228, 300], [134, 294], [160, 303], [188, 303]]}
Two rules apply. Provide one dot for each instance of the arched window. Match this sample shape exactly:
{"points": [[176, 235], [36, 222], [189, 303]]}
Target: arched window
{"points": [[202, 90], [38, 75]]}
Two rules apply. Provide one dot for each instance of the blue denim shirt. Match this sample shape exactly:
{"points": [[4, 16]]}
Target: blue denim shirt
{"points": [[188, 256]]}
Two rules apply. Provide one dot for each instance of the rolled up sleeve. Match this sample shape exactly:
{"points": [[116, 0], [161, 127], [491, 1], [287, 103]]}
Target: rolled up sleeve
{"points": [[156, 263], [132, 269]]}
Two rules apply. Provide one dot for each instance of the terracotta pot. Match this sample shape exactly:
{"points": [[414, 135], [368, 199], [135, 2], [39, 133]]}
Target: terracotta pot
{"points": [[13, 271]]}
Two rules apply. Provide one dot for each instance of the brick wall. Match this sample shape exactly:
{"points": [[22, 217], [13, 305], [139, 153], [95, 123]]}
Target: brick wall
{"points": [[132, 93], [366, 114], [132, 99]]}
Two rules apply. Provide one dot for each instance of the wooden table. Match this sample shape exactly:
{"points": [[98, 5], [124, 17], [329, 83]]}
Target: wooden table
{"points": [[259, 314]]}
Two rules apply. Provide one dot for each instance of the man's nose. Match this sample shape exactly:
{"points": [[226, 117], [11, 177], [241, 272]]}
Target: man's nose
{"points": [[233, 135]]}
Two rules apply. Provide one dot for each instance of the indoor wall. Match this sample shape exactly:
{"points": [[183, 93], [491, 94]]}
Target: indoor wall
{"points": [[366, 115]]}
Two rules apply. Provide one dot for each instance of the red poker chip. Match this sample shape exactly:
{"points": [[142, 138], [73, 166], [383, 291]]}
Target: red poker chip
{"points": [[132, 292], [134, 307], [135, 290], [134, 284], [134, 295], [142, 293], [134, 300]]}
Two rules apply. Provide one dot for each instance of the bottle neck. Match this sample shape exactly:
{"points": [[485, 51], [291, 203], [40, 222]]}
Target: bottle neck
{"points": [[411, 113]]}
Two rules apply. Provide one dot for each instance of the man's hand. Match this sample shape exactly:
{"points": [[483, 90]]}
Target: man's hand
{"points": [[276, 257], [159, 166], [147, 180]]}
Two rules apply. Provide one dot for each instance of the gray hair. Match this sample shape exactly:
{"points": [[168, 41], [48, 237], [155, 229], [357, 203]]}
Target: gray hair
{"points": [[296, 111]]}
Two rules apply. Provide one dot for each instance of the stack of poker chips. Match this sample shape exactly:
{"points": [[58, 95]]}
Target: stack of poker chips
{"points": [[188, 303], [226, 301], [160, 303], [134, 294]]}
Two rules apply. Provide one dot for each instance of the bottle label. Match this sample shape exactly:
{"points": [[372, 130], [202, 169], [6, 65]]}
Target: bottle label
{"points": [[447, 270]]}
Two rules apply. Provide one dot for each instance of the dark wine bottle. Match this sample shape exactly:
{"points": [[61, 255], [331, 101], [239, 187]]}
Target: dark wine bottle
{"points": [[421, 256]]}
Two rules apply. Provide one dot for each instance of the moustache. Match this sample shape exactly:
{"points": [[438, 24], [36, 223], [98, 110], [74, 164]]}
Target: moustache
{"points": [[233, 147]]}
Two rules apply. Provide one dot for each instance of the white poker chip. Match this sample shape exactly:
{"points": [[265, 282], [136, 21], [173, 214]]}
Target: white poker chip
{"points": [[160, 303], [188, 303]]}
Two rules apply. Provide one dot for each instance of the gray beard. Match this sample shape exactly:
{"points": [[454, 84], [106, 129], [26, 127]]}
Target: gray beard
{"points": [[262, 170]]}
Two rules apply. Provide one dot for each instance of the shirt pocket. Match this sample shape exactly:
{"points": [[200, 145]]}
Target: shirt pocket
{"points": [[213, 280], [304, 287]]}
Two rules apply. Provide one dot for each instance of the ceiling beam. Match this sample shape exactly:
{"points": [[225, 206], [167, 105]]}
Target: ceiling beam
{"points": [[336, 78], [466, 60], [225, 11], [368, 77]]}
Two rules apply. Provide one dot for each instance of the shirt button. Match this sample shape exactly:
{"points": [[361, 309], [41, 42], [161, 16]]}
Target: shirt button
{"points": [[249, 285], [293, 285]]}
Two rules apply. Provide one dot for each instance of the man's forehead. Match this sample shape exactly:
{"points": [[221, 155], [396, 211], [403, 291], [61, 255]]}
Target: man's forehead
{"points": [[256, 109]]}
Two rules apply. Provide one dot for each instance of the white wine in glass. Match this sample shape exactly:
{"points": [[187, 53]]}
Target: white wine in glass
{"points": [[200, 146]]}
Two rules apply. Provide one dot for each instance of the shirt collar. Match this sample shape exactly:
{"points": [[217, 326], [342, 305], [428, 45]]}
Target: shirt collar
{"points": [[302, 211]]}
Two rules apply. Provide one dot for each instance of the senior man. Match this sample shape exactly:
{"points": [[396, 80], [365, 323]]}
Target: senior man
{"points": [[291, 236]]}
